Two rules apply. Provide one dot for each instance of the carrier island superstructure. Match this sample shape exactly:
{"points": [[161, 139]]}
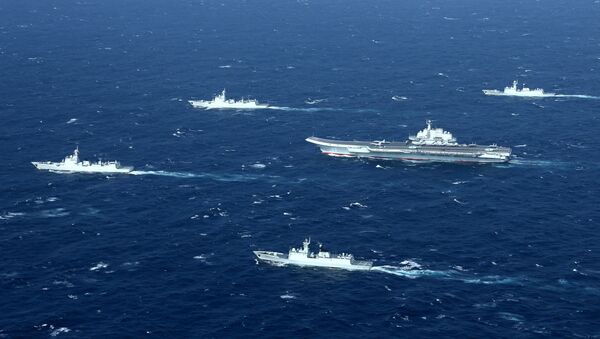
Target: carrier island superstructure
{"points": [[428, 145]]}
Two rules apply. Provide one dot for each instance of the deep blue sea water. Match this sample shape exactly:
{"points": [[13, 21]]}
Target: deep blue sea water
{"points": [[504, 251]]}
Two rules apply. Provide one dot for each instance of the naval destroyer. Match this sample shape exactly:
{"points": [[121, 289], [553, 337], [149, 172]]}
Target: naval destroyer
{"points": [[429, 145], [72, 163], [516, 92], [303, 257], [221, 102]]}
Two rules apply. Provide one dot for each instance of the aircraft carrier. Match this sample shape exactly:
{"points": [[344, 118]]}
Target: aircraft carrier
{"points": [[429, 145]]}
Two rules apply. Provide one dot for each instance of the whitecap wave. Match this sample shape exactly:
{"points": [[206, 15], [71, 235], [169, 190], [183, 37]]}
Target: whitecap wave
{"points": [[60, 330], [65, 283], [358, 205], [459, 202], [511, 316], [315, 101], [54, 213], [99, 266], [203, 258], [11, 215]]}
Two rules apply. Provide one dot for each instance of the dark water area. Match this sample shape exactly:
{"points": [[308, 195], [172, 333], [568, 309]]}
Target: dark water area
{"points": [[466, 250]]}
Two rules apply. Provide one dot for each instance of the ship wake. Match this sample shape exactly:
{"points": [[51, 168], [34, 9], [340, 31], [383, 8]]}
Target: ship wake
{"points": [[579, 96], [409, 272], [210, 176], [536, 163], [412, 270], [318, 109]]}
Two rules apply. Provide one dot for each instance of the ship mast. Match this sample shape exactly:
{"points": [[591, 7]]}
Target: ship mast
{"points": [[305, 244], [76, 154]]}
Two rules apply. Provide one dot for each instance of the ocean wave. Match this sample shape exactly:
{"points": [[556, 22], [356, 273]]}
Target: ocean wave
{"points": [[10, 215], [315, 101], [54, 213], [287, 296], [357, 205], [99, 266], [258, 165], [60, 330]]}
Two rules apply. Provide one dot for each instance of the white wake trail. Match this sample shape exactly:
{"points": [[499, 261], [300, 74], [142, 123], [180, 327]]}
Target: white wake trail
{"points": [[579, 96], [537, 163], [411, 272], [216, 177], [318, 109]]}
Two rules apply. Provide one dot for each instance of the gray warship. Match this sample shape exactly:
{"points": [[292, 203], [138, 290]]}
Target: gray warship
{"points": [[303, 257], [73, 164], [429, 145]]}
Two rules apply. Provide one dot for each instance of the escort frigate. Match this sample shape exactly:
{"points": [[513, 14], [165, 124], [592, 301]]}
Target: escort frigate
{"points": [[303, 257], [516, 92], [221, 102], [429, 145], [72, 164]]}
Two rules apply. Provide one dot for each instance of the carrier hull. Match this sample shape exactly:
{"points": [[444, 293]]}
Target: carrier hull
{"points": [[405, 151]]}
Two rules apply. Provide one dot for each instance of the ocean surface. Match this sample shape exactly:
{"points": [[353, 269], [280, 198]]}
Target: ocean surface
{"points": [[477, 251]]}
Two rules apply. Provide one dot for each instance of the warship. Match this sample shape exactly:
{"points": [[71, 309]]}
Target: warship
{"points": [[323, 258], [72, 163], [514, 91], [429, 145], [221, 102]]}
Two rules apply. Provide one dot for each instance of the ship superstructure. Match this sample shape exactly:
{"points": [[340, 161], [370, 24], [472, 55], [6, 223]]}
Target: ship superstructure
{"points": [[221, 102], [72, 163], [428, 145], [304, 257]]}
